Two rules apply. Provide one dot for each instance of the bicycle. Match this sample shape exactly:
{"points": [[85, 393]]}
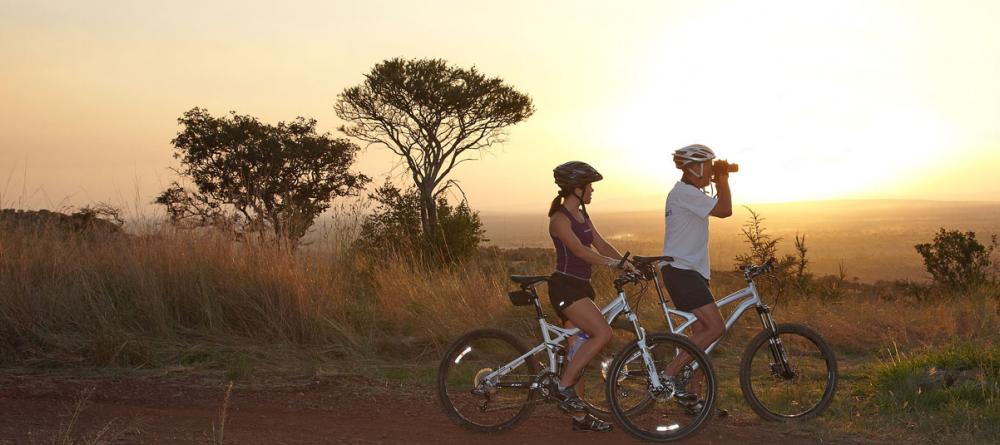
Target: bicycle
{"points": [[489, 381], [787, 371]]}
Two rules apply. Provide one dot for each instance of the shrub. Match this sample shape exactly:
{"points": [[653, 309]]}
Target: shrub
{"points": [[789, 270], [957, 260], [395, 226]]}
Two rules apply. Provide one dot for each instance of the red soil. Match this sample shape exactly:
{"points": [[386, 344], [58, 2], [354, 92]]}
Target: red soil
{"points": [[168, 409]]}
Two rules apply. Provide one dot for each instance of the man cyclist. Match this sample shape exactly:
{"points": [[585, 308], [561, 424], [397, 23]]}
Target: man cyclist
{"points": [[686, 240]]}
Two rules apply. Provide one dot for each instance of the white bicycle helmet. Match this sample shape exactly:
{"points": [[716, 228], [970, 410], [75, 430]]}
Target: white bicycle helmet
{"points": [[692, 154]]}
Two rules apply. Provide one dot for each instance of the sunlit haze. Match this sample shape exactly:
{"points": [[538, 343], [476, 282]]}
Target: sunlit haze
{"points": [[814, 100]]}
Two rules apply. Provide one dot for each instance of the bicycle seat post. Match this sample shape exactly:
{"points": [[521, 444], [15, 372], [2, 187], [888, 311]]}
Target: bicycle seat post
{"points": [[538, 306]]}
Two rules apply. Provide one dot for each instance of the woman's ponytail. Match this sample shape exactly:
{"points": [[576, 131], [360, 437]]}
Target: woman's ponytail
{"points": [[556, 203]]}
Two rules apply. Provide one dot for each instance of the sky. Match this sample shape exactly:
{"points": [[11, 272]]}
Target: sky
{"points": [[814, 100]]}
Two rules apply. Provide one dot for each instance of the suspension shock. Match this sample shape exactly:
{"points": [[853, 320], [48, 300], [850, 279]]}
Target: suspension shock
{"points": [[779, 357]]}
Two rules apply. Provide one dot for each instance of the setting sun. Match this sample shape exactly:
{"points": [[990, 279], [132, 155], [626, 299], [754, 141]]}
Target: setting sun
{"points": [[814, 101]]}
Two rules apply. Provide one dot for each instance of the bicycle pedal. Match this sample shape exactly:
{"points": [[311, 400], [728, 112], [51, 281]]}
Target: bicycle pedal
{"points": [[686, 399], [694, 409]]}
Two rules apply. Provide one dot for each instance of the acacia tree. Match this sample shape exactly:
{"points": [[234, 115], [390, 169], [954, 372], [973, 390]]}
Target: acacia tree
{"points": [[434, 116], [260, 178]]}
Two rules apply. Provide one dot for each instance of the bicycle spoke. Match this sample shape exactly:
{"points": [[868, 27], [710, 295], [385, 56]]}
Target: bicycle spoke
{"points": [[470, 390], [676, 410], [802, 389]]}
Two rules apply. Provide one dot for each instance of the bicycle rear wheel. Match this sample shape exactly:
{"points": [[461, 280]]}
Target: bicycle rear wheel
{"points": [[680, 409], [801, 390], [472, 401]]}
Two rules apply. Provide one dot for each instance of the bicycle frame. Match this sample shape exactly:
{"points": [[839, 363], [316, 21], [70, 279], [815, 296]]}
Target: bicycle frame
{"points": [[553, 336], [747, 298]]}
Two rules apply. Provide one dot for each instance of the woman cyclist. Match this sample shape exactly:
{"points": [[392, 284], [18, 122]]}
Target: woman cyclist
{"points": [[575, 239], [686, 240]]}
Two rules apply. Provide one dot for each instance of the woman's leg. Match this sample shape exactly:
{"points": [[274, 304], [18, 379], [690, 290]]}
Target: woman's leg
{"points": [[584, 314], [569, 347]]}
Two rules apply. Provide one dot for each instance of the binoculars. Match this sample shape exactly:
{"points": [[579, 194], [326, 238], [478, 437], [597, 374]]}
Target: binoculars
{"points": [[720, 165]]}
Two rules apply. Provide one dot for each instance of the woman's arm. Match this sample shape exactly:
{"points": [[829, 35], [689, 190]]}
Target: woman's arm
{"points": [[559, 226], [602, 245]]}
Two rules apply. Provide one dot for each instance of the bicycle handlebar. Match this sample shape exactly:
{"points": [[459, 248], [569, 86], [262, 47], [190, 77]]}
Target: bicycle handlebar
{"points": [[752, 271], [621, 264]]}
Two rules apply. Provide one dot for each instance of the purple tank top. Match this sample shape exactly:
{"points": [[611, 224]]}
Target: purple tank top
{"points": [[566, 262]]}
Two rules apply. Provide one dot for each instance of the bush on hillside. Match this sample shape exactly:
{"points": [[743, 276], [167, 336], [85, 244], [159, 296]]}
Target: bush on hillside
{"points": [[957, 260], [91, 221], [790, 271], [395, 226]]}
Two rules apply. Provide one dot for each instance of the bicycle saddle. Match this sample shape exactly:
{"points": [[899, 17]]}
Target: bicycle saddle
{"points": [[528, 280]]}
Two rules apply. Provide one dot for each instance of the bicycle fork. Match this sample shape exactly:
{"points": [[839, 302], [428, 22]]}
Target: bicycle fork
{"points": [[779, 358], [647, 358]]}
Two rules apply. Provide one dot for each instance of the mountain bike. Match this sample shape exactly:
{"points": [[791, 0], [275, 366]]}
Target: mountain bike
{"points": [[787, 371], [489, 381]]}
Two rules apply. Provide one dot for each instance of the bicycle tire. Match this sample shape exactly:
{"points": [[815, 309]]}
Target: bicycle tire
{"points": [[793, 336], [462, 385], [629, 418], [594, 377]]}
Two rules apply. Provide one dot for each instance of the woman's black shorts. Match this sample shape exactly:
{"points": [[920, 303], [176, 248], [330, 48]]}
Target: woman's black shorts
{"points": [[687, 288], [565, 290]]}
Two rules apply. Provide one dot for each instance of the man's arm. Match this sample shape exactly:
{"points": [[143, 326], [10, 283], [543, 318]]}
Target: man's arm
{"points": [[724, 206]]}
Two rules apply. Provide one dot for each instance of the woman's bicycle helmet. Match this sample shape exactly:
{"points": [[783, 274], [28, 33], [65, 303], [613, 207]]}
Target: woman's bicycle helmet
{"points": [[575, 174]]}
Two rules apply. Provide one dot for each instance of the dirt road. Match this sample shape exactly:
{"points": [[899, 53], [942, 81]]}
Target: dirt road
{"points": [[175, 408]]}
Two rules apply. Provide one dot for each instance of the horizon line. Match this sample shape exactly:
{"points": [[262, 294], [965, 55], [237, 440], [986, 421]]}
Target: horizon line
{"points": [[817, 201]]}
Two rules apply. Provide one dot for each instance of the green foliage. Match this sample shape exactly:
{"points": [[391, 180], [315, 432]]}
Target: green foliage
{"points": [[256, 177], [433, 115], [957, 260], [951, 393], [395, 225]]}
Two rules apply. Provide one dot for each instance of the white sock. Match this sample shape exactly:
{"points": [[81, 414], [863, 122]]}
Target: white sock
{"points": [[580, 417]]}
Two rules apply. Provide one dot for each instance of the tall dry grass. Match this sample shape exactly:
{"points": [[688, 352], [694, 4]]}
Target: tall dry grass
{"points": [[145, 300], [166, 297]]}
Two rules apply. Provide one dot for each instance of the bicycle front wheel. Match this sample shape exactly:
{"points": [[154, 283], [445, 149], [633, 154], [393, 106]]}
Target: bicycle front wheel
{"points": [[677, 410], [474, 400], [788, 376], [592, 384]]}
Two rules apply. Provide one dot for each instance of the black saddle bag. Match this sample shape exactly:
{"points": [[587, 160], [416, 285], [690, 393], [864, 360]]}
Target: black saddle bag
{"points": [[521, 297]]}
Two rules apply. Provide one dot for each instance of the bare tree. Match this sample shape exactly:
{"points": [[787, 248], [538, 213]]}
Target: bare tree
{"points": [[433, 115]]}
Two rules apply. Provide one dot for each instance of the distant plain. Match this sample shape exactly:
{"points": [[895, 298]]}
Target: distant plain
{"points": [[872, 239]]}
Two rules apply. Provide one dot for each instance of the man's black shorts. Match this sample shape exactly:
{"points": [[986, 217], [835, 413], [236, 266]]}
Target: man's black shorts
{"points": [[687, 288], [565, 290]]}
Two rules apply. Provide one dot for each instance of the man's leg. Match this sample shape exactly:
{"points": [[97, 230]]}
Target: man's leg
{"points": [[709, 328]]}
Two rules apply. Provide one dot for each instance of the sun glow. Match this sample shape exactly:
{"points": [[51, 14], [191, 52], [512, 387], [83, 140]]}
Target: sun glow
{"points": [[848, 99], [818, 119]]}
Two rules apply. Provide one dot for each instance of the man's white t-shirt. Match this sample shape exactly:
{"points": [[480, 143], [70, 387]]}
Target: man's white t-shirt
{"points": [[686, 237]]}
